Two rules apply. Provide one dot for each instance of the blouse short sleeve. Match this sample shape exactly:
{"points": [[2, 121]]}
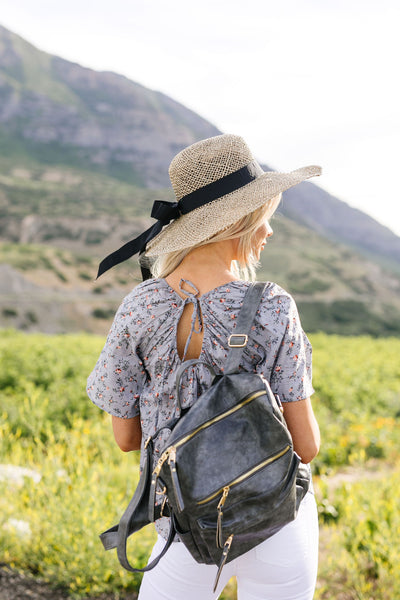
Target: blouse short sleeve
{"points": [[291, 376], [116, 381]]}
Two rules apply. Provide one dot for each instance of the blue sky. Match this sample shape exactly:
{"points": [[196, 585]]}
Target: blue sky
{"points": [[305, 82]]}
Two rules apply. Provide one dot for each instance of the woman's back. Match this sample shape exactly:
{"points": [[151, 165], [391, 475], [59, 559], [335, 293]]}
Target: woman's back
{"points": [[189, 310]]}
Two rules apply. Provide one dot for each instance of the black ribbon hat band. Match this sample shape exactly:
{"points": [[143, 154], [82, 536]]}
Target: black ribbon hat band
{"points": [[165, 212]]}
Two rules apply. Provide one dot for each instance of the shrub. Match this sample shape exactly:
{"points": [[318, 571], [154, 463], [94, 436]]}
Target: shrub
{"points": [[103, 313], [85, 276], [9, 312]]}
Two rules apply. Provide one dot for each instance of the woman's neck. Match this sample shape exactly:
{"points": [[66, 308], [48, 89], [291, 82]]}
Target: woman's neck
{"points": [[207, 267]]}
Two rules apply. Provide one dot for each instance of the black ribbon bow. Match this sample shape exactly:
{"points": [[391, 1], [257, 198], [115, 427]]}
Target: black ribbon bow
{"points": [[164, 212]]}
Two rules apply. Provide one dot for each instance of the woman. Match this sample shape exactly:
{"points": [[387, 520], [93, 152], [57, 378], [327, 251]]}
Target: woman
{"points": [[201, 263]]}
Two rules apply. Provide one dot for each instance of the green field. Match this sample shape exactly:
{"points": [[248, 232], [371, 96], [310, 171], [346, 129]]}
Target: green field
{"points": [[80, 481]]}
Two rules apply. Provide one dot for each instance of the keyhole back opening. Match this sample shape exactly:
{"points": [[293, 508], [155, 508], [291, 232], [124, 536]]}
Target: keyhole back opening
{"points": [[183, 331]]}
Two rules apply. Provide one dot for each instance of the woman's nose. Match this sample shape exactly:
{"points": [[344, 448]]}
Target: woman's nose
{"points": [[270, 231]]}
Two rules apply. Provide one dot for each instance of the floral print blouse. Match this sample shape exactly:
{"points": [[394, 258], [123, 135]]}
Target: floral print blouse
{"points": [[135, 373]]}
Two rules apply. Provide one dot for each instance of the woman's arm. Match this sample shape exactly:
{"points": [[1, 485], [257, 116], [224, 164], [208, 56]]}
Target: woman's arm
{"points": [[127, 433], [303, 428]]}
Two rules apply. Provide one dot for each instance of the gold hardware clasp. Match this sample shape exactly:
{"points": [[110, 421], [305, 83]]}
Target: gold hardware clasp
{"points": [[162, 493]]}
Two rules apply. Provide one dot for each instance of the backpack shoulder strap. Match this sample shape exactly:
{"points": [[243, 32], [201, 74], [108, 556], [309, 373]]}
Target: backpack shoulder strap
{"points": [[238, 340]]}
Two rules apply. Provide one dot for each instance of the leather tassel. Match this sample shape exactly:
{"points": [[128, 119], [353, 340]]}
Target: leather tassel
{"points": [[175, 480], [152, 497], [227, 547], [218, 537]]}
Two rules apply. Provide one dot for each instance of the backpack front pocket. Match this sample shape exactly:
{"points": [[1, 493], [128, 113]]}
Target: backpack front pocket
{"points": [[236, 508]]}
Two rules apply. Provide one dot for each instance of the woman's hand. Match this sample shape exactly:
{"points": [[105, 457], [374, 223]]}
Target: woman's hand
{"points": [[303, 428], [127, 433]]}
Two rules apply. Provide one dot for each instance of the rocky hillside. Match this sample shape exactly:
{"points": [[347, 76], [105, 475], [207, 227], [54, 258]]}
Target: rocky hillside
{"points": [[47, 283], [60, 112]]}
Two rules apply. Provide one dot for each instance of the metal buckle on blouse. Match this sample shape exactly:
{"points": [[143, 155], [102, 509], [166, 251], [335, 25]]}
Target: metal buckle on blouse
{"points": [[239, 343]]}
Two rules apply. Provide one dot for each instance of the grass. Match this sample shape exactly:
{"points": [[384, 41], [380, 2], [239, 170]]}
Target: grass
{"points": [[50, 527]]}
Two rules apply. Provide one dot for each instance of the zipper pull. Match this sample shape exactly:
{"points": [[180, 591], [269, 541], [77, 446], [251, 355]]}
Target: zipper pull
{"points": [[175, 479], [223, 498], [172, 458], [227, 547], [218, 534]]}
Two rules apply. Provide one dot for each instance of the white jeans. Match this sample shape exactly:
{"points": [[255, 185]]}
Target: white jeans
{"points": [[284, 567]]}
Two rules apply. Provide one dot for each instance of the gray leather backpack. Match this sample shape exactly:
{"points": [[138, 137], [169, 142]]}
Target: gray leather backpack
{"points": [[229, 475]]}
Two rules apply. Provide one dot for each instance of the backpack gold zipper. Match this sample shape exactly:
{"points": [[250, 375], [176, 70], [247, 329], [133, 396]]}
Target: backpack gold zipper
{"points": [[166, 453], [220, 417], [170, 453], [241, 478], [160, 462]]}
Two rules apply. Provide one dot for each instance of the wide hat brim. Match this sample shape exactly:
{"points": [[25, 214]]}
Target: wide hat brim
{"points": [[206, 221]]}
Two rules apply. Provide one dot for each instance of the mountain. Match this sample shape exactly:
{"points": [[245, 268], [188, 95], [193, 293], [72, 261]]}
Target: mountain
{"points": [[83, 154], [58, 111], [336, 220]]}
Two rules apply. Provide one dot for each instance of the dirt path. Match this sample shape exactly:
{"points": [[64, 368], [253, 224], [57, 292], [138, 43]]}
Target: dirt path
{"points": [[19, 587], [373, 471], [14, 586]]}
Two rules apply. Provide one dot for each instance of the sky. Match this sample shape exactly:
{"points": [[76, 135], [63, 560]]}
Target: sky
{"points": [[303, 81]]}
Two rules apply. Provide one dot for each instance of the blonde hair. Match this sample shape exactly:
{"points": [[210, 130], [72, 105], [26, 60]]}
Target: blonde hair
{"points": [[244, 229]]}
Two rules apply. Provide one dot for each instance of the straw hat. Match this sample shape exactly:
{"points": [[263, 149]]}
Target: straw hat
{"points": [[216, 182], [202, 171]]}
